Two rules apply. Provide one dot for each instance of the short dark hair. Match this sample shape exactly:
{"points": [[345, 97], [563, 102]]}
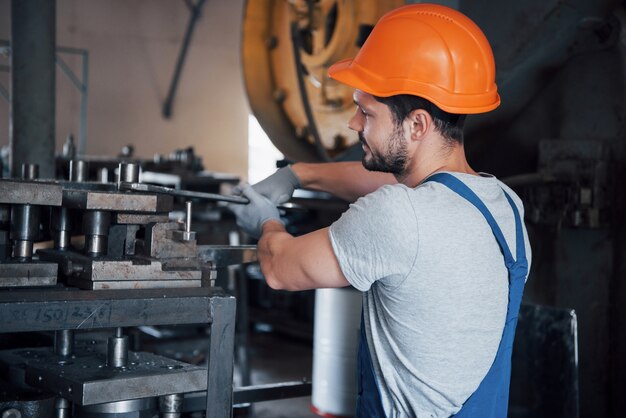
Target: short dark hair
{"points": [[450, 125]]}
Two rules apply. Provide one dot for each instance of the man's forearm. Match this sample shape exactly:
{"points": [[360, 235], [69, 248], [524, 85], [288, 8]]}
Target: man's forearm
{"points": [[305, 262], [346, 180]]}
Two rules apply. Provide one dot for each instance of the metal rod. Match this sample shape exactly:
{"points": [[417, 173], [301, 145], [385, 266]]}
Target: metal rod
{"points": [[65, 69], [84, 99], [149, 188], [193, 18], [188, 216]]}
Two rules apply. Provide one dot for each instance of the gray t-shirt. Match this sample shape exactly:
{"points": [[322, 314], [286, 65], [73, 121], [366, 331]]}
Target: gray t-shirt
{"points": [[436, 288]]}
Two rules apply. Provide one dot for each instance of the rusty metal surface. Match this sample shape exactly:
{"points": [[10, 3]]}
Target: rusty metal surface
{"points": [[137, 273], [32, 273], [126, 270], [139, 219], [117, 201], [135, 284], [158, 242], [13, 191]]}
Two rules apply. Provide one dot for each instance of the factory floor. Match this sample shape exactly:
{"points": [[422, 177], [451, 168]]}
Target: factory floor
{"points": [[278, 358]]}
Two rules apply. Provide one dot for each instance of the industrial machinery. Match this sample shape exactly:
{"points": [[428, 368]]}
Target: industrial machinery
{"points": [[113, 259]]}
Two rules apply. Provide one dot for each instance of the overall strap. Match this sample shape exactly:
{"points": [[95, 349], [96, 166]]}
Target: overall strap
{"points": [[461, 189]]}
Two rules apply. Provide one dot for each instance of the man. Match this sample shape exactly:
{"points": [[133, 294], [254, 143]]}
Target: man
{"points": [[439, 250]]}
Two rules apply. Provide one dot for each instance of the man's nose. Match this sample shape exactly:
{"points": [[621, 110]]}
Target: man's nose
{"points": [[356, 123]]}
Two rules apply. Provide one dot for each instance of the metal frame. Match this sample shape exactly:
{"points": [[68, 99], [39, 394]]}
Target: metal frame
{"points": [[59, 309], [80, 84], [194, 9]]}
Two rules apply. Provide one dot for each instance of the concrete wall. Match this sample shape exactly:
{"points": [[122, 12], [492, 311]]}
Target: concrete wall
{"points": [[133, 48]]}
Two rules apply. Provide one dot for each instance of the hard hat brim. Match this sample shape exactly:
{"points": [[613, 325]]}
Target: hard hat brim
{"points": [[348, 72]]}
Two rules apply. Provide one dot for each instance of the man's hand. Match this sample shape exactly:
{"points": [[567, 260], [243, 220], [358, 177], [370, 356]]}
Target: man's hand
{"points": [[278, 187], [252, 216]]}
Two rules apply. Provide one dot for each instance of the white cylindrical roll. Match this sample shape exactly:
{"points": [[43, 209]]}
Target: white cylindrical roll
{"points": [[335, 344]]}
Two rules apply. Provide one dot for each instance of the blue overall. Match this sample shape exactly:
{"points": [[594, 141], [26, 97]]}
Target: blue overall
{"points": [[491, 399]]}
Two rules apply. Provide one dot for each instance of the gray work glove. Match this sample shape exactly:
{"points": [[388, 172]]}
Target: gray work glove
{"points": [[278, 187], [252, 216]]}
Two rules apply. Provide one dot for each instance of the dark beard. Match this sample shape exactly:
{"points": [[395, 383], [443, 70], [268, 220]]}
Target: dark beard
{"points": [[394, 160]]}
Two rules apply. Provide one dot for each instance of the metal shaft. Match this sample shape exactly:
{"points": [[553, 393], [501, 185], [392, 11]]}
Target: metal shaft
{"points": [[30, 171], [127, 173], [96, 228], [188, 216], [24, 229], [117, 350], [79, 171], [64, 342], [61, 227], [170, 406], [63, 408]]}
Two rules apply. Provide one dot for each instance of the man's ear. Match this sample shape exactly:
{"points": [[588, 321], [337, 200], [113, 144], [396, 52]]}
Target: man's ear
{"points": [[420, 123]]}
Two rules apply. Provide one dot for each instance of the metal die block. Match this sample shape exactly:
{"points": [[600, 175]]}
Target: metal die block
{"points": [[134, 284], [32, 273], [30, 192], [127, 270], [86, 380], [140, 219], [160, 242], [117, 201], [137, 272]]}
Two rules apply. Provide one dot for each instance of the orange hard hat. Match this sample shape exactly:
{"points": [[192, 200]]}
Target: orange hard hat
{"points": [[426, 50]]}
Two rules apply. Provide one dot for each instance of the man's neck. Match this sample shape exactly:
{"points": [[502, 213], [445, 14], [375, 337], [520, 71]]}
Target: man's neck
{"points": [[427, 163]]}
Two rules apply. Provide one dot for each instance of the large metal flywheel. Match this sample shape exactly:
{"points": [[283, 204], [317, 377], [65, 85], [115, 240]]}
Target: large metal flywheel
{"points": [[287, 49]]}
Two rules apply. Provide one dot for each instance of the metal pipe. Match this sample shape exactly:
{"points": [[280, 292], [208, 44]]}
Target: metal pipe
{"points": [[64, 342], [96, 228]]}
